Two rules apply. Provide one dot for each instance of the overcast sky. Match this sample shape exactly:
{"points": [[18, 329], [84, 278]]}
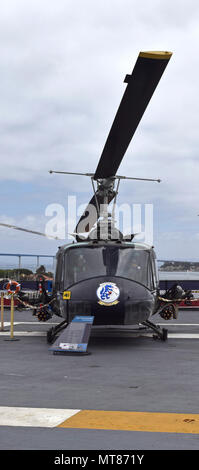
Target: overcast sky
{"points": [[62, 69]]}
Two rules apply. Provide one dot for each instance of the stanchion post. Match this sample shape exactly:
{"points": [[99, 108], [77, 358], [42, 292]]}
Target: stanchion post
{"points": [[12, 317], [2, 311], [12, 338]]}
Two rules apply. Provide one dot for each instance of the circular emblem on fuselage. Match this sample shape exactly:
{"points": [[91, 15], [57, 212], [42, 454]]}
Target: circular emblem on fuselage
{"points": [[108, 293]]}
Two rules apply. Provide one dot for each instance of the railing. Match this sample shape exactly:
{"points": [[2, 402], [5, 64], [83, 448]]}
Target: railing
{"points": [[23, 255]]}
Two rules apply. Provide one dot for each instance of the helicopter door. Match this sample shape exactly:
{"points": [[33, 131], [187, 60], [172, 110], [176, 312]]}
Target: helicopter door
{"points": [[155, 272], [59, 275], [152, 274]]}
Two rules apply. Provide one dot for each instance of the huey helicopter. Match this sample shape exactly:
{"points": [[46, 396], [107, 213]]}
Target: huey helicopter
{"points": [[104, 273]]}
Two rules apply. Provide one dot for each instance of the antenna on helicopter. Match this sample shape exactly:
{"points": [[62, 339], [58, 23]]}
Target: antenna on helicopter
{"points": [[119, 177]]}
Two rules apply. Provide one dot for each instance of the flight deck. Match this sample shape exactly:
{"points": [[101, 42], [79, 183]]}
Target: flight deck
{"points": [[130, 392]]}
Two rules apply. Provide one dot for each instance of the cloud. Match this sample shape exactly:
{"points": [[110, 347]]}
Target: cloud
{"points": [[62, 70]]}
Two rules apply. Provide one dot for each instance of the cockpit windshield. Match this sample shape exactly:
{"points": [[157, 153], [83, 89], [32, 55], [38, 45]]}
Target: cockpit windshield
{"points": [[87, 262]]}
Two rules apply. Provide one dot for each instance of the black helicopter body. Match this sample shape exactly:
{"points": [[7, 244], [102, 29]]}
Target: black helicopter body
{"points": [[117, 282]]}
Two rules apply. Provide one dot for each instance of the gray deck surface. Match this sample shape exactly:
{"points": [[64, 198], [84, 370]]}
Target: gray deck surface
{"points": [[124, 372]]}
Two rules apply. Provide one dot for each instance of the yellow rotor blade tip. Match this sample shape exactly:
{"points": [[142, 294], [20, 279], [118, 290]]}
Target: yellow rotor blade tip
{"points": [[156, 54]]}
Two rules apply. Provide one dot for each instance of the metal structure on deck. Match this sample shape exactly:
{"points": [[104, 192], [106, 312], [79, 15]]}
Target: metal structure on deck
{"points": [[24, 255]]}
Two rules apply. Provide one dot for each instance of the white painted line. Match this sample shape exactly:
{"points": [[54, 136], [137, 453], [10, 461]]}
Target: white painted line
{"points": [[7, 323], [113, 333], [183, 335], [117, 327], [34, 417], [119, 334], [23, 333], [178, 324], [176, 335]]}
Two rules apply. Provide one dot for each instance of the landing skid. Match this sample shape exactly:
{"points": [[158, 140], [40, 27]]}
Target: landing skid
{"points": [[54, 331], [161, 333]]}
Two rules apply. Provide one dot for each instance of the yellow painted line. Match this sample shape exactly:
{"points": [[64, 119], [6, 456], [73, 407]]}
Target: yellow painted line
{"points": [[134, 421]]}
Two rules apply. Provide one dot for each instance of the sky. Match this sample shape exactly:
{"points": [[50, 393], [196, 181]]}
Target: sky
{"points": [[63, 65]]}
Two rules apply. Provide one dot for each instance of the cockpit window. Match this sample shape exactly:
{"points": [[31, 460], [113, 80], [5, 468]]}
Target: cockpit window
{"points": [[87, 262]]}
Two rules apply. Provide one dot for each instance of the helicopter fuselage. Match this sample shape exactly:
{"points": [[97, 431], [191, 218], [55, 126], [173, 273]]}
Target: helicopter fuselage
{"points": [[116, 282]]}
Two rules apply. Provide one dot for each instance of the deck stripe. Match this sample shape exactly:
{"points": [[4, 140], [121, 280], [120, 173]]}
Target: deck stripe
{"points": [[34, 417], [120, 334], [100, 419], [134, 421]]}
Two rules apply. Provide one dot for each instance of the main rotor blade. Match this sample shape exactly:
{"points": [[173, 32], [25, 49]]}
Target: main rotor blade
{"points": [[29, 231], [141, 85]]}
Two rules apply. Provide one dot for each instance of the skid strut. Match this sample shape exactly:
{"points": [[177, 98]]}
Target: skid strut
{"points": [[54, 331], [161, 333]]}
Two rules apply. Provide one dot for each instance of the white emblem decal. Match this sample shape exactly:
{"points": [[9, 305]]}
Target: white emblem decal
{"points": [[108, 293]]}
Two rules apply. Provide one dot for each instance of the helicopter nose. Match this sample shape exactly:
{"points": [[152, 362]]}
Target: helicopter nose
{"points": [[112, 301]]}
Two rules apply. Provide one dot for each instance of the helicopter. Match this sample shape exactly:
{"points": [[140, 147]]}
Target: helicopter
{"points": [[102, 272]]}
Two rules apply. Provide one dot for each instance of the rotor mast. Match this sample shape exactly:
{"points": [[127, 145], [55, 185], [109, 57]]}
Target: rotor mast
{"points": [[104, 192]]}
